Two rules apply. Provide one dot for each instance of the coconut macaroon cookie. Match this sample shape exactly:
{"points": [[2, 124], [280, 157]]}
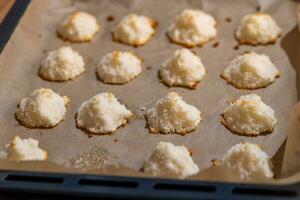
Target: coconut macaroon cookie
{"points": [[78, 27], [61, 65], [249, 116], [250, 161], [119, 67], [42, 109], [171, 114], [170, 160], [251, 71], [192, 28], [182, 68], [135, 30], [102, 114], [258, 28], [25, 150]]}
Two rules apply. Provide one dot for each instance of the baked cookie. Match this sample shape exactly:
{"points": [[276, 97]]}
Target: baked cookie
{"points": [[192, 28], [258, 28], [134, 30], [119, 67], [251, 71], [171, 114], [183, 68], [61, 65], [78, 27], [249, 116], [42, 109], [168, 159], [25, 150], [250, 161], [102, 114]]}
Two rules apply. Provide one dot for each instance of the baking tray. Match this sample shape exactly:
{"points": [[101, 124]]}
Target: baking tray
{"points": [[126, 187]]}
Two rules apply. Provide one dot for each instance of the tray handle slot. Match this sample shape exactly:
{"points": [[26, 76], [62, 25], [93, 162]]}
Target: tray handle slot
{"points": [[275, 192], [34, 178], [108, 183], [185, 187]]}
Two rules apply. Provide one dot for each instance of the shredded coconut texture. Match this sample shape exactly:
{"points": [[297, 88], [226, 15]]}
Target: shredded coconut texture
{"points": [[251, 71], [172, 115], [102, 114], [61, 65], [168, 159], [192, 28], [119, 67], [42, 109], [258, 28], [250, 161], [135, 30], [249, 116], [25, 150], [78, 27], [183, 68]]}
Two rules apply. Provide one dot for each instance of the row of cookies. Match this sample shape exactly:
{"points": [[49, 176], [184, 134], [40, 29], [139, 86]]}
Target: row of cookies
{"points": [[182, 68], [167, 159], [190, 28], [103, 114]]}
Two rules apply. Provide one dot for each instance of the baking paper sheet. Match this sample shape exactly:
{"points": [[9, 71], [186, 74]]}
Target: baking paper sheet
{"points": [[129, 145]]}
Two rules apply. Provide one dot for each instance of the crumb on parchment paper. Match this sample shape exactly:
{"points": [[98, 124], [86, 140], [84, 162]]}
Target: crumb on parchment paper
{"points": [[96, 158]]}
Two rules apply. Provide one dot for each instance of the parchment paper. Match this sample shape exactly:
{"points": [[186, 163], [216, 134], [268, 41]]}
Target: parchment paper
{"points": [[129, 145]]}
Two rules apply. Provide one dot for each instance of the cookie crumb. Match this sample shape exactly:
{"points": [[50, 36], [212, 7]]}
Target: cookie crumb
{"points": [[143, 108], [94, 159], [89, 60], [194, 52], [39, 35], [115, 140], [110, 18], [236, 47], [258, 8], [228, 19], [215, 162], [216, 44], [191, 152], [149, 67]]}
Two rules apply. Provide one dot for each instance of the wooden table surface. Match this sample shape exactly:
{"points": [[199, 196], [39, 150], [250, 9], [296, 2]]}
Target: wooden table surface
{"points": [[5, 5]]}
